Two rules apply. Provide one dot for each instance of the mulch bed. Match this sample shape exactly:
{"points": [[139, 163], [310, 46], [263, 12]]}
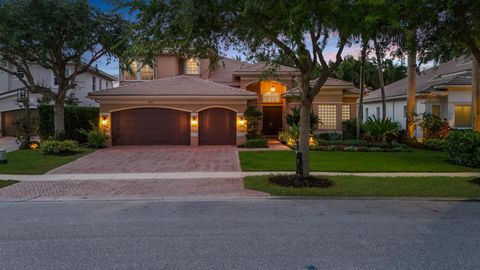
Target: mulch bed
{"points": [[289, 181]]}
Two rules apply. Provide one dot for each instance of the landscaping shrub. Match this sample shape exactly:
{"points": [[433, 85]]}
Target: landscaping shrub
{"points": [[252, 115], [294, 118], [96, 138], [434, 127], [289, 181], [26, 129], [330, 136], [381, 130], [434, 144], [76, 118], [253, 136], [257, 143], [283, 137], [463, 147], [53, 147], [349, 129]]}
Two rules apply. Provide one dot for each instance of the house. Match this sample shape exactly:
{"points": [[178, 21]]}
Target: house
{"points": [[444, 91], [10, 85], [193, 102]]}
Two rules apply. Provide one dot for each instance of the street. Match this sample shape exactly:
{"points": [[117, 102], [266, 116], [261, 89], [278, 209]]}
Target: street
{"points": [[246, 234]]}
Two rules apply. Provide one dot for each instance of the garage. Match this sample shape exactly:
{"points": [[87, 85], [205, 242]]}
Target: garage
{"points": [[150, 126], [217, 126], [9, 118]]}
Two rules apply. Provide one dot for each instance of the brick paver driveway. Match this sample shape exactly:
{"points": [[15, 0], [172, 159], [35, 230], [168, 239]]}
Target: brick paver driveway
{"points": [[155, 159]]}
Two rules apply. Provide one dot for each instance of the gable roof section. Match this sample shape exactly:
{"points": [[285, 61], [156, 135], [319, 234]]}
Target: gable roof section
{"points": [[175, 86], [454, 72], [331, 82], [223, 71], [265, 67]]}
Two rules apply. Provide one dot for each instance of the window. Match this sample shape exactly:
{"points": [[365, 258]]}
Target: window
{"points": [[378, 112], [147, 72], [131, 75], [55, 80], [270, 97], [346, 112], [20, 73], [405, 111], [94, 83], [366, 114], [463, 116], [327, 116], [436, 110], [192, 67], [100, 83]]}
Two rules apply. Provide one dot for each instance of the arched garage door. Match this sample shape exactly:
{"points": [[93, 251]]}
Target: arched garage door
{"points": [[217, 126], [150, 126]]}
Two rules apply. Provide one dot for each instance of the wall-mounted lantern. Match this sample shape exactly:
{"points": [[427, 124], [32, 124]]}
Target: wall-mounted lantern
{"points": [[272, 89], [104, 121], [241, 121], [194, 121]]}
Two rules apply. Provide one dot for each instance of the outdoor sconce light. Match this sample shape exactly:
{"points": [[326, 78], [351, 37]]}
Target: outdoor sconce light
{"points": [[104, 121], [272, 89], [241, 121], [194, 121]]}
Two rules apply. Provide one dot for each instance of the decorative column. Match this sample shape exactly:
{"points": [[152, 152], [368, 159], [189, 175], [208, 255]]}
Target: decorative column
{"points": [[194, 129]]}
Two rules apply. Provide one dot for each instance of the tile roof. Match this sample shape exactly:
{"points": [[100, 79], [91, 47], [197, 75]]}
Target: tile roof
{"points": [[454, 72], [175, 86], [331, 82], [224, 69], [264, 67]]}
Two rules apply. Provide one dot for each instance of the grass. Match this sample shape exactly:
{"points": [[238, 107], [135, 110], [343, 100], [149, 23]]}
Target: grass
{"points": [[34, 162], [416, 161], [4, 183], [349, 186]]}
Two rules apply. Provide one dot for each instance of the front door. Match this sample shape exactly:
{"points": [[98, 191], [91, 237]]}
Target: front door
{"points": [[272, 120]]}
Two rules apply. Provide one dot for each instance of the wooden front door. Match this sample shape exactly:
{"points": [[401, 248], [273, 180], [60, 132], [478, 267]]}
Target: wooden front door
{"points": [[151, 126], [217, 126], [272, 120]]}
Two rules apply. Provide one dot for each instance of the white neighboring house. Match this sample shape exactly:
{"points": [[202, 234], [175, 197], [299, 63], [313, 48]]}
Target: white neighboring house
{"points": [[444, 91], [92, 80]]}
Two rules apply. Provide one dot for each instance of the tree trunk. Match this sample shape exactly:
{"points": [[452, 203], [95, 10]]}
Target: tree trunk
{"points": [[303, 147], [411, 93], [362, 90], [476, 93], [59, 119], [380, 78]]}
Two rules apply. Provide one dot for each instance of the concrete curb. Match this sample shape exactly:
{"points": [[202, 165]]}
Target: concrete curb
{"points": [[210, 175], [431, 199]]}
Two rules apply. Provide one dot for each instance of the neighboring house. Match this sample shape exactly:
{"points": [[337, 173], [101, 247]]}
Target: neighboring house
{"points": [[444, 91], [93, 80], [184, 102]]}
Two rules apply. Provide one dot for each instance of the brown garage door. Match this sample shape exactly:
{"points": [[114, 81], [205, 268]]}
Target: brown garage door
{"points": [[151, 126], [217, 126], [9, 118]]}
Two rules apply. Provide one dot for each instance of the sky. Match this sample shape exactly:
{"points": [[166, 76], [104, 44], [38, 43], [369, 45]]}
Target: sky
{"points": [[111, 65]]}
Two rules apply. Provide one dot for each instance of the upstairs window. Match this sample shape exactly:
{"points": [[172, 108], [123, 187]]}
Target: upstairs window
{"points": [[94, 83], [55, 79], [192, 67], [146, 72], [131, 75], [100, 83], [271, 97]]}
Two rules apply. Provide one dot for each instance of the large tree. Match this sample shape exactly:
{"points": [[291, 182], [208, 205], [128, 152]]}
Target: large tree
{"points": [[56, 34], [304, 31]]}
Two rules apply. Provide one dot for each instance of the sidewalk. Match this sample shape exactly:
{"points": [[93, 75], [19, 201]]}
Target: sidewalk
{"points": [[210, 175]]}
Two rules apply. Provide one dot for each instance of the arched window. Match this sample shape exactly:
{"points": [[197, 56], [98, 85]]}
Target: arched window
{"points": [[271, 97]]}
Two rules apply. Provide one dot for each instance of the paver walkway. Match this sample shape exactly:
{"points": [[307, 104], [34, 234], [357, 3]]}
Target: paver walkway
{"points": [[134, 189], [155, 159]]}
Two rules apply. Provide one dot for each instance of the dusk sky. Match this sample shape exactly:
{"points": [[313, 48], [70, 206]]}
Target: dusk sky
{"points": [[111, 65]]}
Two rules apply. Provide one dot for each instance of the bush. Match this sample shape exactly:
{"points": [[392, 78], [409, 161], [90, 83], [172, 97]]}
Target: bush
{"points": [[463, 147], [53, 147], [294, 118], [252, 115], [381, 130], [283, 137], [96, 138], [349, 129], [434, 127], [26, 129], [434, 144], [330, 136], [76, 118], [257, 143]]}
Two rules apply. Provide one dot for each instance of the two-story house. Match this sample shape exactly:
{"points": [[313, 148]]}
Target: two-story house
{"points": [[91, 81], [188, 102]]}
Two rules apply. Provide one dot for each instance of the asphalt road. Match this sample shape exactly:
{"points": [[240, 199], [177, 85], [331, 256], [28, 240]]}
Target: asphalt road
{"points": [[271, 234]]}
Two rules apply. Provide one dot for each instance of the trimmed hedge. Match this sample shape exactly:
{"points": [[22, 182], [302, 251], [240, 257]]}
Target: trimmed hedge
{"points": [[76, 118], [59, 148], [463, 147], [257, 143]]}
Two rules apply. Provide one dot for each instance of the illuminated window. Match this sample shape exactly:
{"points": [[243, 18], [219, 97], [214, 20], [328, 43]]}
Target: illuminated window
{"points": [[270, 97], [192, 67], [131, 75], [463, 116], [327, 116], [147, 72], [346, 112], [436, 110]]}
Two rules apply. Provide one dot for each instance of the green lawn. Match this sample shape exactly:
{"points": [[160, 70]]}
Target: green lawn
{"points": [[349, 186], [416, 161], [4, 183], [34, 162]]}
